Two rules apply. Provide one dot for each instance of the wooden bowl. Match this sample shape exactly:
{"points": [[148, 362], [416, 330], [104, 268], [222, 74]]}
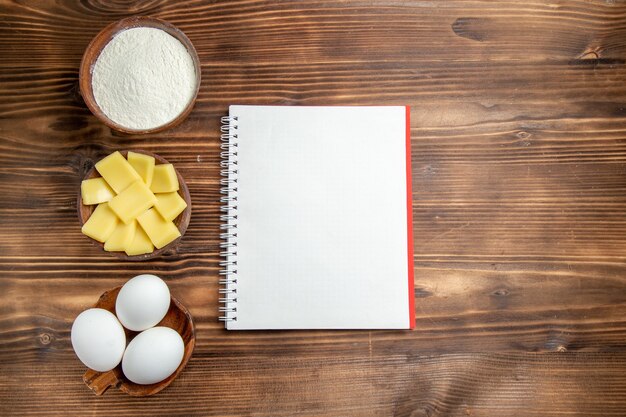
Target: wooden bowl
{"points": [[96, 46], [177, 318], [182, 221]]}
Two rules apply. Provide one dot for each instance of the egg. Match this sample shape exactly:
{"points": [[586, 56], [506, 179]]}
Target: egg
{"points": [[153, 355], [142, 302], [98, 339]]}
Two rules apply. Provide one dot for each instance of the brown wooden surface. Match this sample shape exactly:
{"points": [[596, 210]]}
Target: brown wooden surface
{"points": [[519, 179]]}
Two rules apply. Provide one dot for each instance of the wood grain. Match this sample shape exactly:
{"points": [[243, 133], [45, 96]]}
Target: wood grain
{"points": [[519, 202]]}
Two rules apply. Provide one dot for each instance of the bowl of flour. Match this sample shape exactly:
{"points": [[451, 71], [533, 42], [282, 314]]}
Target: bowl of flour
{"points": [[140, 75]]}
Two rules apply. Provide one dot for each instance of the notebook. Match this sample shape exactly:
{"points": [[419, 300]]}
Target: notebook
{"points": [[316, 218]]}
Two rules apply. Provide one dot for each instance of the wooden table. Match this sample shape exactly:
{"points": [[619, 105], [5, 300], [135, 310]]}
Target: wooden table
{"points": [[519, 178]]}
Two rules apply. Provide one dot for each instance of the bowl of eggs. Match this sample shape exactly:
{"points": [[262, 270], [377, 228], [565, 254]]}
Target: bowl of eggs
{"points": [[134, 205], [140, 75], [136, 338]]}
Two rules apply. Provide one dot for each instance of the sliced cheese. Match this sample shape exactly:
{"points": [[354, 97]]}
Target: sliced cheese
{"points": [[117, 172], [133, 201], [164, 179], [140, 245], [121, 238], [143, 164], [101, 223], [160, 231], [169, 205], [96, 191]]}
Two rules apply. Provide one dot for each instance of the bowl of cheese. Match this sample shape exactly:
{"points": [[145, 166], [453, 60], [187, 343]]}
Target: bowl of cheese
{"points": [[134, 205]]}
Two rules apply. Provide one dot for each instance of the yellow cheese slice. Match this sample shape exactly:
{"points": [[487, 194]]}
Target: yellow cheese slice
{"points": [[121, 238], [95, 191], [141, 243], [133, 201], [169, 205], [160, 231], [164, 179], [143, 164], [101, 223], [117, 172]]}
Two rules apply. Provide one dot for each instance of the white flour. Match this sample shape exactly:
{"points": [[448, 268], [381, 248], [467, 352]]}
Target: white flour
{"points": [[144, 78]]}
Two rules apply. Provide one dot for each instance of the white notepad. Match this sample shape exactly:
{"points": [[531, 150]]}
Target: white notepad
{"points": [[317, 218]]}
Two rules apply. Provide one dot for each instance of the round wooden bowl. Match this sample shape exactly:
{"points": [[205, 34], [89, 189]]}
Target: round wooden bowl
{"points": [[177, 318], [182, 221], [102, 39]]}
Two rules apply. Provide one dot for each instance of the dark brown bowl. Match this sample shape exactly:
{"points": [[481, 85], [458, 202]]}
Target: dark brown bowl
{"points": [[102, 39], [177, 318], [182, 221]]}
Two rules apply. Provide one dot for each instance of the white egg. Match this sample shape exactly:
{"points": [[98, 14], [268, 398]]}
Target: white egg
{"points": [[153, 355], [98, 339], [142, 302]]}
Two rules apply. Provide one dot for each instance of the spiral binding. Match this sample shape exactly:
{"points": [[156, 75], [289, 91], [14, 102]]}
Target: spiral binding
{"points": [[228, 217]]}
